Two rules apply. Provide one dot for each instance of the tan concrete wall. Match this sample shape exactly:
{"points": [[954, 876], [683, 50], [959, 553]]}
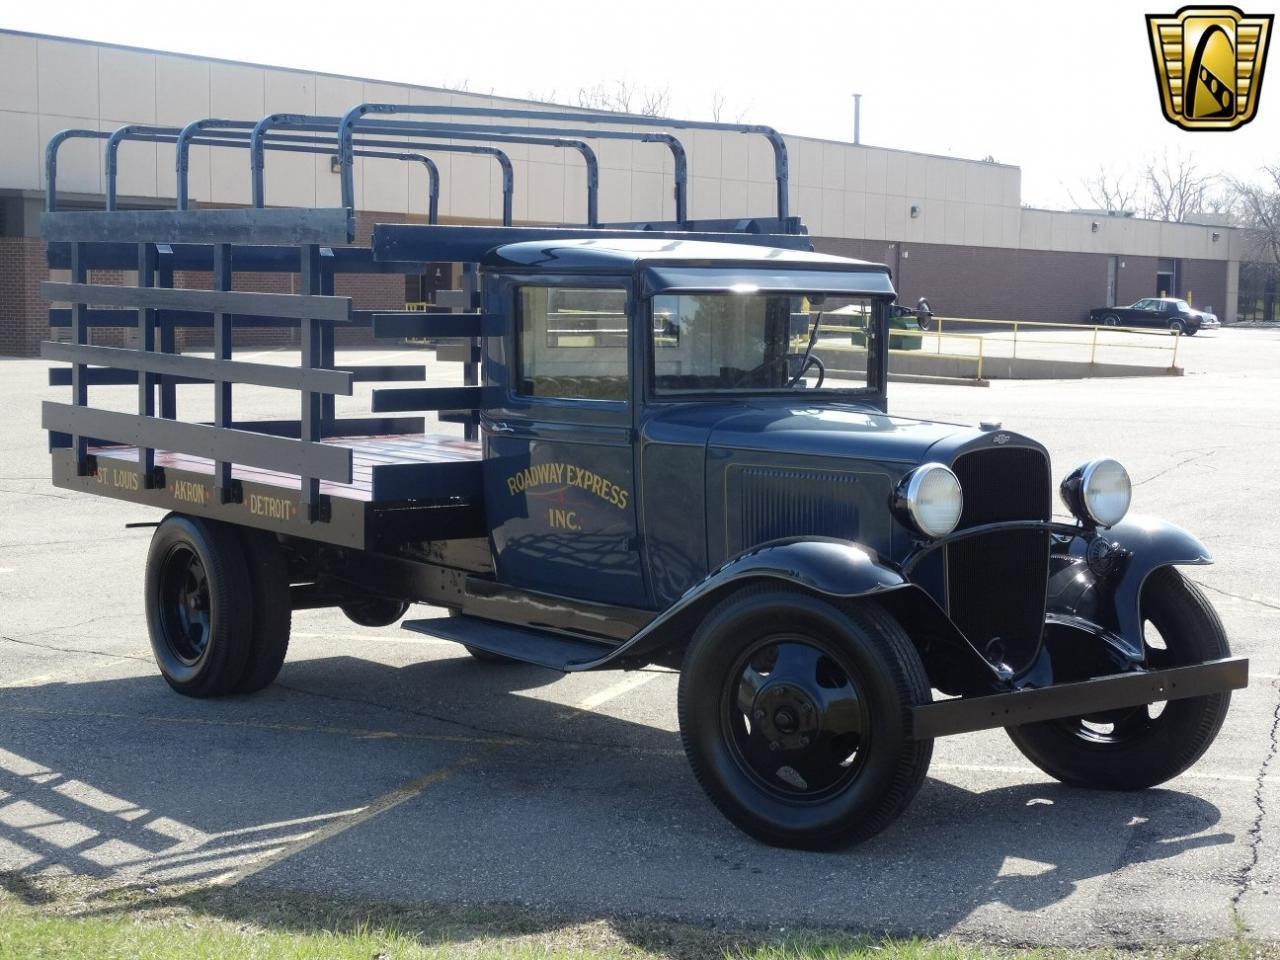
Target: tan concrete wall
{"points": [[841, 190]]}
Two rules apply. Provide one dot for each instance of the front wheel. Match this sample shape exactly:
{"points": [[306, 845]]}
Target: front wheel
{"points": [[794, 714], [1138, 747], [1177, 327]]}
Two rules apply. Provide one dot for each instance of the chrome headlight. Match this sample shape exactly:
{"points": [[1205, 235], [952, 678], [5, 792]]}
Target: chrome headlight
{"points": [[929, 498], [1098, 492]]}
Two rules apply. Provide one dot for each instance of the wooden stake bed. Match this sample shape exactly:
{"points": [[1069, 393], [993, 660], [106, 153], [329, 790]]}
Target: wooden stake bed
{"points": [[372, 460], [403, 489]]}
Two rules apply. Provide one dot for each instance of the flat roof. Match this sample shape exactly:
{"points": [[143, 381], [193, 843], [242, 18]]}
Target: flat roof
{"points": [[421, 86]]}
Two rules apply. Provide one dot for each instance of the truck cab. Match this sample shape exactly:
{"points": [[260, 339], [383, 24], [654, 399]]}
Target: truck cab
{"points": [[645, 388]]}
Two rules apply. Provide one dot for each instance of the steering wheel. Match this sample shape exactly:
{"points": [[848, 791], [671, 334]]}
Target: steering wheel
{"points": [[806, 365], [806, 362]]}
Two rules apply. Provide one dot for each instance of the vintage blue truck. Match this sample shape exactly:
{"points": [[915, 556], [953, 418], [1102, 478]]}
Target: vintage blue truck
{"points": [[651, 468]]}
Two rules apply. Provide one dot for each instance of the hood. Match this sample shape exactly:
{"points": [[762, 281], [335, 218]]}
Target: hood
{"points": [[829, 430]]}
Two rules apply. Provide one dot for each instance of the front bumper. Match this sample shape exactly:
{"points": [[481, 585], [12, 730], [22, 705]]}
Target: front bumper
{"points": [[966, 714]]}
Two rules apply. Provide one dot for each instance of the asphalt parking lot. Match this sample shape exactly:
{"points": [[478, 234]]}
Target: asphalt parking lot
{"points": [[387, 765]]}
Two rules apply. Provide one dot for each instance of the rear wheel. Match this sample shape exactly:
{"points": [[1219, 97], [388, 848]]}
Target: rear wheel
{"points": [[272, 612], [794, 716], [1139, 747], [1111, 320], [199, 606]]}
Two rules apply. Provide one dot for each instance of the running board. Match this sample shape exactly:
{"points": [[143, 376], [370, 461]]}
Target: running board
{"points": [[539, 647]]}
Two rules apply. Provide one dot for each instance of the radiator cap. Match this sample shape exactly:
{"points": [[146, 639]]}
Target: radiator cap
{"points": [[989, 425]]}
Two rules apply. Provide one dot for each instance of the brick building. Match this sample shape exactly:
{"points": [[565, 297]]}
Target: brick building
{"points": [[953, 230]]}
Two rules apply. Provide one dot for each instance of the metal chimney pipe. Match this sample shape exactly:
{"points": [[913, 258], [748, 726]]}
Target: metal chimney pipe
{"points": [[857, 118]]}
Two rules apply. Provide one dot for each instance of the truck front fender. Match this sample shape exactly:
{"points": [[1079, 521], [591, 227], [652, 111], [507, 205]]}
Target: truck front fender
{"points": [[1149, 544], [1104, 580], [837, 569]]}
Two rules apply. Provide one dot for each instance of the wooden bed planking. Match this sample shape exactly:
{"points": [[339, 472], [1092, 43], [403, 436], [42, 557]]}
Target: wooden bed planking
{"points": [[367, 453]]}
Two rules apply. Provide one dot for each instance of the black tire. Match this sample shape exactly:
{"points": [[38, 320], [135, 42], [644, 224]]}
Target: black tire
{"points": [[375, 611], [847, 796], [1110, 320], [1142, 748], [199, 605], [1177, 326], [272, 612], [1189, 332]]}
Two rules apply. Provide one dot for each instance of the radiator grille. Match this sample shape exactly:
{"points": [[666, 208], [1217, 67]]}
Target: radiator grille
{"points": [[996, 582], [1003, 484]]}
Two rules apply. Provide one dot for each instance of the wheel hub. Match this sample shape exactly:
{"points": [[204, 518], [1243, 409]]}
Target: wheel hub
{"points": [[786, 715]]}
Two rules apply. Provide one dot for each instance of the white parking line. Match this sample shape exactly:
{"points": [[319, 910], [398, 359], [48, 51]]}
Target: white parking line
{"points": [[612, 692], [388, 638], [8, 570], [1018, 771]]}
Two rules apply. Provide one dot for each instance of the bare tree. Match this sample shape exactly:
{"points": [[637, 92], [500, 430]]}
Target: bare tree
{"points": [[654, 101], [718, 101], [1176, 189], [1109, 190], [1259, 209], [621, 96]]}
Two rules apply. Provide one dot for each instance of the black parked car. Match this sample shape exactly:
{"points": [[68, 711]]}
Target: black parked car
{"points": [[1177, 316]]}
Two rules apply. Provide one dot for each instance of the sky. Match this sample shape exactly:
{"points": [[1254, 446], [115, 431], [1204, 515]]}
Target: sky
{"points": [[1056, 89]]}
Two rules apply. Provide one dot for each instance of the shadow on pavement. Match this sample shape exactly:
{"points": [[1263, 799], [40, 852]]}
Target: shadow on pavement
{"points": [[585, 817]]}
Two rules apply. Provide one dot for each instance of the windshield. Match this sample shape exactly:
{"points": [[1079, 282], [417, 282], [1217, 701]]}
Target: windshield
{"points": [[760, 342]]}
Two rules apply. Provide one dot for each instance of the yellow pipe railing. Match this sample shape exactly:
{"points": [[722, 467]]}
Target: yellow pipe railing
{"points": [[1015, 333]]}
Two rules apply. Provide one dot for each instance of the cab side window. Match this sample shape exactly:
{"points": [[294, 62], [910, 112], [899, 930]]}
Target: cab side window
{"points": [[573, 343]]}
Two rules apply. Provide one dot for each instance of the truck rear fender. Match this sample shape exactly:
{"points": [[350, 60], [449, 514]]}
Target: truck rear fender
{"points": [[836, 569]]}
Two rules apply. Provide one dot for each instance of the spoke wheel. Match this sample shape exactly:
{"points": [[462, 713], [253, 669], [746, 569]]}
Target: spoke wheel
{"points": [[1137, 747], [795, 717], [200, 603], [184, 598], [794, 714], [1118, 728]]}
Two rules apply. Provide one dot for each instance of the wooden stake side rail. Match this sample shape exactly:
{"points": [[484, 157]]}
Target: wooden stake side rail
{"points": [[197, 369], [293, 306], [316, 462], [254, 257], [289, 226], [225, 443]]}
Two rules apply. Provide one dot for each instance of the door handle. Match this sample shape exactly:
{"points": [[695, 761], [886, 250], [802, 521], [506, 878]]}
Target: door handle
{"points": [[497, 426]]}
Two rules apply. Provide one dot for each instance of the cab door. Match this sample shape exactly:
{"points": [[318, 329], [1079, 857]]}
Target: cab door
{"points": [[559, 461]]}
